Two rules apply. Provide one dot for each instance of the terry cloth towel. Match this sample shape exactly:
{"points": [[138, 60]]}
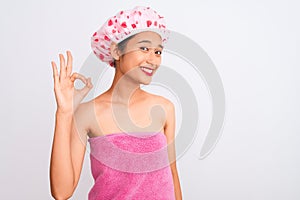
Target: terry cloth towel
{"points": [[130, 166]]}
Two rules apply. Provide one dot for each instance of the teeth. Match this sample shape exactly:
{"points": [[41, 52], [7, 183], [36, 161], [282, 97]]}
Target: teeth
{"points": [[147, 70]]}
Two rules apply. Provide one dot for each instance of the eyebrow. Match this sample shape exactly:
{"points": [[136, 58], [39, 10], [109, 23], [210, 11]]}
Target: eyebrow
{"points": [[148, 41]]}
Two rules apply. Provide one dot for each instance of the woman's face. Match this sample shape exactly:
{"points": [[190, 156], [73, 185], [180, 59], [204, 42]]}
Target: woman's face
{"points": [[141, 57]]}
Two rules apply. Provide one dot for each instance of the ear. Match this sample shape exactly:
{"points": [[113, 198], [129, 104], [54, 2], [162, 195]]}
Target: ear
{"points": [[114, 51]]}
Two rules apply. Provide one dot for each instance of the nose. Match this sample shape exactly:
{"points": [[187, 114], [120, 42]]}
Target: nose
{"points": [[153, 58]]}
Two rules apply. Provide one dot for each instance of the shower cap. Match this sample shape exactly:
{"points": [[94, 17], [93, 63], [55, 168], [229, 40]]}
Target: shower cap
{"points": [[123, 25]]}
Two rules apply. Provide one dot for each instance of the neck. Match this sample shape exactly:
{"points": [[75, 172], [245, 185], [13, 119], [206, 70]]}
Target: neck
{"points": [[123, 88]]}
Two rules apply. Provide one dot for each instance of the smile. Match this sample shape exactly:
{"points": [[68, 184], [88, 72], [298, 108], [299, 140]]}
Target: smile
{"points": [[147, 71]]}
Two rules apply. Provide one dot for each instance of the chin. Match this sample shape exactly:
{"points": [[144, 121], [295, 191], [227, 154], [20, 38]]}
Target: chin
{"points": [[144, 82]]}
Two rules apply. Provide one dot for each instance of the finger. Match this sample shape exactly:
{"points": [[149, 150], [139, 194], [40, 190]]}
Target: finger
{"points": [[89, 84], [55, 72], [62, 66], [87, 87], [76, 75], [69, 63]]}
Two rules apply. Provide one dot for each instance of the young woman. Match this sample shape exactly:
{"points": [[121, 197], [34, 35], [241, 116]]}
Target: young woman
{"points": [[128, 128]]}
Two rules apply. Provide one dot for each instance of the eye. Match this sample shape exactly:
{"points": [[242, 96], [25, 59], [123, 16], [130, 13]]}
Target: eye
{"points": [[144, 48], [158, 52]]}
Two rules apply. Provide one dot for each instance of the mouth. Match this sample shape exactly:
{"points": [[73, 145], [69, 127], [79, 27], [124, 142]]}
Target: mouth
{"points": [[148, 71]]}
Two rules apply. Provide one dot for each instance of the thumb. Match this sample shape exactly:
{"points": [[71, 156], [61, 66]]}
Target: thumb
{"points": [[88, 86]]}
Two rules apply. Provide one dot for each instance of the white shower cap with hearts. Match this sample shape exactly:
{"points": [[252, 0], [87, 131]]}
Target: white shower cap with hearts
{"points": [[123, 25]]}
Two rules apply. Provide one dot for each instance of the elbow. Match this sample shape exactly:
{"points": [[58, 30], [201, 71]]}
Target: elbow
{"points": [[61, 189], [58, 196], [61, 194]]}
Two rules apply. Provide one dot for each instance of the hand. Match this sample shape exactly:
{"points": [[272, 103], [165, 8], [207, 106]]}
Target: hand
{"points": [[67, 97]]}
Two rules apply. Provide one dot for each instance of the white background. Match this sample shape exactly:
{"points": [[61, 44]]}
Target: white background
{"points": [[255, 46]]}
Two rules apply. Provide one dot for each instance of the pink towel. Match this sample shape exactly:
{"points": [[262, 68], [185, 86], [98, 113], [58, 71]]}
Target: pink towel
{"points": [[130, 166]]}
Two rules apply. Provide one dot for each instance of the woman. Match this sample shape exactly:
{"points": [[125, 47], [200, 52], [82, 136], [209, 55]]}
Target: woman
{"points": [[127, 140]]}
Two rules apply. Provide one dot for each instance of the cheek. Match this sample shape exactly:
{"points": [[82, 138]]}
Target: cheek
{"points": [[158, 60], [139, 58], [134, 59]]}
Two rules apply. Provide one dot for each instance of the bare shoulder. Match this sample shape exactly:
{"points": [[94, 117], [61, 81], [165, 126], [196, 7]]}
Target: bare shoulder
{"points": [[83, 115], [161, 100], [83, 109], [169, 115]]}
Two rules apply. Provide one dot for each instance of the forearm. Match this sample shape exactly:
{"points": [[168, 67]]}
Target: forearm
{"points": [[61, 168], [177, 187]]}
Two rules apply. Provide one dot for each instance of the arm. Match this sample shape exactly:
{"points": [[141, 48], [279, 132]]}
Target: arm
{"points": [[169, 130], [68, 149], [69, 139], [61, 167]]}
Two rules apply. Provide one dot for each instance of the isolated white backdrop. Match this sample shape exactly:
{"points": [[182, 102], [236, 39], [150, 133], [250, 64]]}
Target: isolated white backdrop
{"points": [[255, 46]]}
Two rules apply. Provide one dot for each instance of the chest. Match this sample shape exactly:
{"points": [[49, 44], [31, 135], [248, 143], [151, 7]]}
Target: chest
{"points": [[121, 118]]}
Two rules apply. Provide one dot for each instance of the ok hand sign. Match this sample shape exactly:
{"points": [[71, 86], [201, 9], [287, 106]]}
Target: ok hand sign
{"points": [[67, 97]]}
